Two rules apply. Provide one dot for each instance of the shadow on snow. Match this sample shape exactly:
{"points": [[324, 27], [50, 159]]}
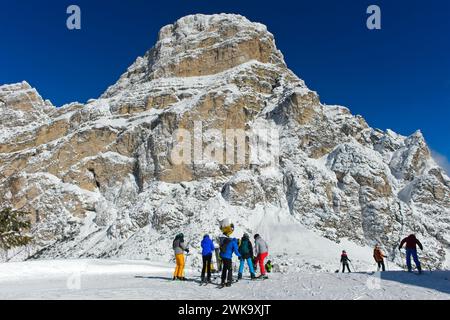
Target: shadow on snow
{"points": [[167, 279], [435, 280]]}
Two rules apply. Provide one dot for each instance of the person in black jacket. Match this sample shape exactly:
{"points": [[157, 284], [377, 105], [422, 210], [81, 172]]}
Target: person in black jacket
{"points": [[345, 260]]}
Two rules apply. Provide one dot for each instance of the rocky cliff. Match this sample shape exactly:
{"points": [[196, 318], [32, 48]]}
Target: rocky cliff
{"points": [[99, 179]]}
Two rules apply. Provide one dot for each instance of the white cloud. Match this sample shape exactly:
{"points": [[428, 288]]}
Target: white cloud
{"points": [[441, 160]]}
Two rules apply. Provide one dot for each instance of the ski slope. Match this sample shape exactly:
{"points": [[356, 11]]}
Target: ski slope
{"points": [[125, 279]]}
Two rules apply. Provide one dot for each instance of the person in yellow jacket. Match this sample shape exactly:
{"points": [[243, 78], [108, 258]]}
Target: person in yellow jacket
{"points": [[379, 256], [179, 248]]}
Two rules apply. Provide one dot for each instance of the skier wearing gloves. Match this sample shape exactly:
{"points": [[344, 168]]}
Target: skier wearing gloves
{"points": [[261, 251], [345, 260], [228, 246], [179, 248], [411, 250], [207, 252], [379, 256], [246, 251]]}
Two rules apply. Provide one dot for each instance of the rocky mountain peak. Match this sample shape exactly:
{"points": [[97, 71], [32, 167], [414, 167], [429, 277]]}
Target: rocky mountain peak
{"points": [[21, 108], [99, 180], [200, 45]]}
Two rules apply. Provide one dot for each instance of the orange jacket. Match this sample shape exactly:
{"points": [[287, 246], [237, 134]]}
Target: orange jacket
{"points": [[378, 255]]}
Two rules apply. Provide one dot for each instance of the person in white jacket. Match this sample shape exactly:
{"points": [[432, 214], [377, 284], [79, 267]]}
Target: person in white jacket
{"points": [[261, 252]]}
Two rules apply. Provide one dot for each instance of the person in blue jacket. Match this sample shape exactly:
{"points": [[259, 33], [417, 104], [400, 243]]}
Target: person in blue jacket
{"points": [[228, 246], [207, 251]]}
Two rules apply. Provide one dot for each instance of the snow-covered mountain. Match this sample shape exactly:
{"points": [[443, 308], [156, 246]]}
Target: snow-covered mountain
{"points": [[99, 181]]}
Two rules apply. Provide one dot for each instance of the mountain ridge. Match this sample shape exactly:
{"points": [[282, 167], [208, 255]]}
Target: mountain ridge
{"points": [[98, 180]]}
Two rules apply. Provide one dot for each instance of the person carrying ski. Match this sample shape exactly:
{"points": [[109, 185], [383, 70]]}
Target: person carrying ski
{"points": [[345, 260], [411, 250], [179, 248], [228, 246], [207, 252], [246, 251], [269, 266], [261, 251], [379, 256]]}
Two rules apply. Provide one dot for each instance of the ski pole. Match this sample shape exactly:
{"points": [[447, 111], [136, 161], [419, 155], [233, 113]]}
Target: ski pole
{"points": [[185, 264]]}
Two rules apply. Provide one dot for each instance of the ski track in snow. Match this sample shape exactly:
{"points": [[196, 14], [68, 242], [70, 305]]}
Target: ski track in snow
{"points": [[114, 279]]}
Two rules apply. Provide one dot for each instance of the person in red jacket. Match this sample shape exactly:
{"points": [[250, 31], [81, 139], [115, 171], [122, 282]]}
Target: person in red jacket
{"points": [[411, 250]]}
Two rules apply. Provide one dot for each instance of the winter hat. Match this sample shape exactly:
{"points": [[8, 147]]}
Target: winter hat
{"points": [[206, 236], [256, 236], [246, 236]]}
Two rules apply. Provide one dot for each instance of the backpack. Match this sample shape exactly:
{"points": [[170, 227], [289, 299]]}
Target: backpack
{"points": [[224, 244], [244, 249]]}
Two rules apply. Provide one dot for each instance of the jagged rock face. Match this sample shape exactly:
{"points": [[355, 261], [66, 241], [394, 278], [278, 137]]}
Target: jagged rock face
{"points": [[99, 179], [202, 45]]}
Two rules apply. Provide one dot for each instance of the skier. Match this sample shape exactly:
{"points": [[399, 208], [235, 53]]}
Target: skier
{"points": [[379, 256], [269, 266], [179, 248], [261, 251], [246, 251], [227, 229], [411, 250], [207, 251], [228, 246], [345, 260]]}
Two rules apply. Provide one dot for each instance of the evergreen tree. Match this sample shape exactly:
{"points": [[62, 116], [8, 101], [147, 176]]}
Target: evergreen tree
{"points": [[13, 229]]}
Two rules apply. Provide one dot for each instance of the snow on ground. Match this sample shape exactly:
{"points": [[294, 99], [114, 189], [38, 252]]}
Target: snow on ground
{"points": [[126, 279]]}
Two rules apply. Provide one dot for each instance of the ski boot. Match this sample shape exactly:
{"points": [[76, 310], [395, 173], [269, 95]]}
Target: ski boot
{"points": [[239, 276], [228, 284]]}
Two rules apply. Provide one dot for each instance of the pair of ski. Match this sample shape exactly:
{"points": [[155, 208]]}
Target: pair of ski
{"points": [[261, 278], [205, 283], [221, 286]]}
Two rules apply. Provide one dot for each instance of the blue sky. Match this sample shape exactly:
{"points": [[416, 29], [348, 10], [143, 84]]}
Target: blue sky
{"points": [[397, 77]]}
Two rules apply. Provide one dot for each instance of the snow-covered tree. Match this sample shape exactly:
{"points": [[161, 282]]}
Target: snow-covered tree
{"points": [[13, 229]]}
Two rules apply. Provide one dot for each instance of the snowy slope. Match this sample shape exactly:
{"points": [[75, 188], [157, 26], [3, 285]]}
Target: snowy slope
{"points": [[113, 279]]}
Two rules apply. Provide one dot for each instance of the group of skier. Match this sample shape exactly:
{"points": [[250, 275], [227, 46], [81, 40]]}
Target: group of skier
{"points": [[411, 252], [252, 255], [255, 255], [228, 247]]}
